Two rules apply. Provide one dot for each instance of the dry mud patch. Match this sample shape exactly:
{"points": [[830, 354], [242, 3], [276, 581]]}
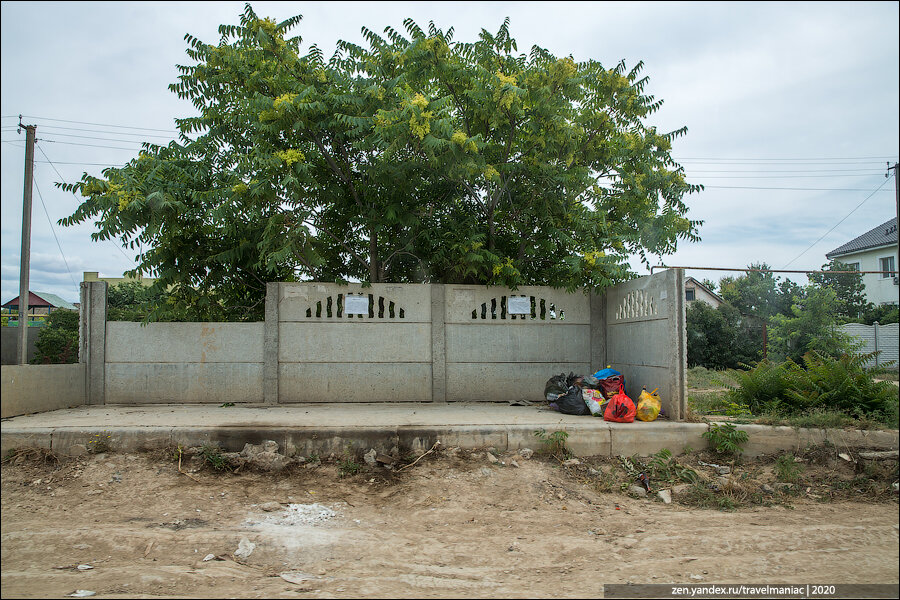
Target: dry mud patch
{"points": [[451, 526]]}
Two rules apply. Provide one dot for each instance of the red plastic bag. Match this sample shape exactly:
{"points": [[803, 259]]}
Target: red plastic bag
{"points": [[620, 409], [611, 385]]}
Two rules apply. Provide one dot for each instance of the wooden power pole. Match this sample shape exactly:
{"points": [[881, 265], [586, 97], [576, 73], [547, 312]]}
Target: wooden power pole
{"points": [[25, 263]]}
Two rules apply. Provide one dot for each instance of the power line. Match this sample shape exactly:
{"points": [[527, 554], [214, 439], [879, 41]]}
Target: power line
{"points": [[62, 162], [93, 137], [63, 179], [784, 159], [742, 187], [839, 222], [53, 231], [55, 127], [786, 176], [88, 145], [100, 124]]}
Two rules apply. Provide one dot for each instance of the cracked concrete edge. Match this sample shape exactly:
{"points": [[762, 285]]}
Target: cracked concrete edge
{"points": [[583, 439]]}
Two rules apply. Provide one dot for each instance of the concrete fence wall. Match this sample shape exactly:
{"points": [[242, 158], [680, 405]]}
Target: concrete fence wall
{"points": [[883, 338], [393, 343], [39, 388], [9, 344]]}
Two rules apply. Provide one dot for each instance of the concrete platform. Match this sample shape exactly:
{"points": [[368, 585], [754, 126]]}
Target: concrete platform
{"points": [[304, 429]]}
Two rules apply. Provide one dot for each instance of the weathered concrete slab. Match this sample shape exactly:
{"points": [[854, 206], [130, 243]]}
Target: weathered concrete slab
{"points": [[412, 427], [163, 383], [644, 439], [184, 342], [38, 388]]}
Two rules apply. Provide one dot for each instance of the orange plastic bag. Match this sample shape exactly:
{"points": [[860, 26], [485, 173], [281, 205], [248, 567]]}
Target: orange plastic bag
{"points": [[620, 408], [648, 405]]}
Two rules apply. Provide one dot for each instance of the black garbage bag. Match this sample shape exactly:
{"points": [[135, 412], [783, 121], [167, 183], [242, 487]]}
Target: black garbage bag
{"points": [[572, 402], [591, 382], [556, 386]]}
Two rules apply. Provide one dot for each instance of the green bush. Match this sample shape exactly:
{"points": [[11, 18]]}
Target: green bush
{"points": [[822, 383], [720, 338], [57, 342]]}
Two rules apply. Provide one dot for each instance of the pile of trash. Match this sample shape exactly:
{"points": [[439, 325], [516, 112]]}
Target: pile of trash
{"points": [[602, 394]]}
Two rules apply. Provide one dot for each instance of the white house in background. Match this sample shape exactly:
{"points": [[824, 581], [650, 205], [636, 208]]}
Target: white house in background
{"points": [[875, 250], [694, 290]]}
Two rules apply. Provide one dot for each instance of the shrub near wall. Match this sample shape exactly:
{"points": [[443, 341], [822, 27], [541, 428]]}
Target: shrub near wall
{"points": [[57, 342]]}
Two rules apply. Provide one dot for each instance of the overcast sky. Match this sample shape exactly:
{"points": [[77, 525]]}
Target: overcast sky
{"points": [[791, 108]]}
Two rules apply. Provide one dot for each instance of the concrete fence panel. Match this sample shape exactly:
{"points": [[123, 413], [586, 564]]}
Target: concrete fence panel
{"points": [[348, 343], [504, 345], [883, 338], [38, 388], [183, 362], [645, 337]]}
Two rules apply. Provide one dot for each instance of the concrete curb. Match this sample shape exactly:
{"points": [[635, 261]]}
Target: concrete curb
{"points": [[592, 438]]}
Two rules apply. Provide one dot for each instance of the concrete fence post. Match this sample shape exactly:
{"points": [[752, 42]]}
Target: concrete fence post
{"points": [[438, 345], [92, 340], [270, 344], [598, 332], [875, 332]]}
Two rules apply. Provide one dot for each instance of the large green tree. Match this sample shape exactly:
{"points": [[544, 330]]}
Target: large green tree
{"points": [[415, 158], [849, 289]]}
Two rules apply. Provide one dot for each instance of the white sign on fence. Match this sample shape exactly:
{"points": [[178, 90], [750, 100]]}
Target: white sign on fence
{"points": [[518, 305], [356, 305]]}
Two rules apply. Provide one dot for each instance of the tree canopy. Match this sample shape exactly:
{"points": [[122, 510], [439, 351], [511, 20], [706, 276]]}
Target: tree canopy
{"points": [[414, 158]]}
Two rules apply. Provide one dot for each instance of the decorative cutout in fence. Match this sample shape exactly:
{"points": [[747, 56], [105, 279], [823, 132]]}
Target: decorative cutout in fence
{"points": [[333, 308], [540, 309], [636, 303]]}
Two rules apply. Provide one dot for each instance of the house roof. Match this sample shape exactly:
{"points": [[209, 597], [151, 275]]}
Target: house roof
{"points": [[41, 299], [709, 291], [883, 235]]}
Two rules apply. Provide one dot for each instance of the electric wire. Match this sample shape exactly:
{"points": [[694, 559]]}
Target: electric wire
{"points": [[63, 179], [53, 231], [99, 124], [886, 179]]}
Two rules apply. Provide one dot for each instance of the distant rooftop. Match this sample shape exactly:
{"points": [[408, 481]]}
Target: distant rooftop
{"points": [[883, 235]]}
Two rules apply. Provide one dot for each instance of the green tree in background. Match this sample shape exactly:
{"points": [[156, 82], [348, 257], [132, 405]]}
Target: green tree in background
{"points": [[848, 288], [132, 301], [57, 341], [416, 158], [811, 326], [720, 338]]}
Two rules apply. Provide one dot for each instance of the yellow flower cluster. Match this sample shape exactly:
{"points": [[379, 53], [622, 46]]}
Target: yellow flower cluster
{"points": [[420, 101], [283, 99], [491, 173], [240, 188], [291, 156], [591, 257]]}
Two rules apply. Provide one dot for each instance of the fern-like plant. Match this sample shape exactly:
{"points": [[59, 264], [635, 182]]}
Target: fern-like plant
{"points": [[726, 439]]}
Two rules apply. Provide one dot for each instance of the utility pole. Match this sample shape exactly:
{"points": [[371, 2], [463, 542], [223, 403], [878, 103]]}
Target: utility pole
{"points": [[25, 263], [896, 189]]}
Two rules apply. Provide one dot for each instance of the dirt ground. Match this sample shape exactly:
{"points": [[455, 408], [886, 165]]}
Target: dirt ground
{"points": [[454, 524]]}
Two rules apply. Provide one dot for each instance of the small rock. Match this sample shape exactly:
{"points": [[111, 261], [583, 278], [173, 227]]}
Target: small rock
{"points": [[696, 577], [492, 459], [571, 462], [637, 491], [767, 488], [369, 457], [270, 446], [77, 450], [84, 567], [845, 457], [296, 577], [116, 478], [723, 470], [665, 496], [81, 594], [516, 465], [270, 506], [723, 481], [208, 557], [245, 549], [680, 489], [384, 459], [486, 472], [526, 453]]}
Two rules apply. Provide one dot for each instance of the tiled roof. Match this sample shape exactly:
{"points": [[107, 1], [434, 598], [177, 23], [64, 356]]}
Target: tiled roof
{"points": [[884, 234]]}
